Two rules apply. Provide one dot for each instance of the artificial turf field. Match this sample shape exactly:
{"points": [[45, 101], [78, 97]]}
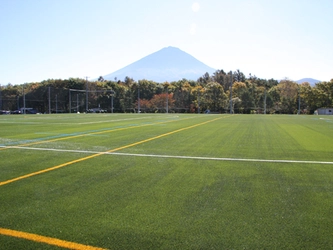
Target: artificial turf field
{"points": [[166, 181]]}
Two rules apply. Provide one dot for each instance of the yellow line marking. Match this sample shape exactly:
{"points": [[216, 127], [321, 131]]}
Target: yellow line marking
{"points": [[106, 152], [93, 133], [47, 240], [67, 244]]}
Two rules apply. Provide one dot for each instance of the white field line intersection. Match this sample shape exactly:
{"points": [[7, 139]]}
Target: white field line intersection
{"points": [[174, 156]]}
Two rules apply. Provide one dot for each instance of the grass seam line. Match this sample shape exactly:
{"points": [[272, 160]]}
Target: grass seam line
{"points": [[106, 152], [47, 240]]}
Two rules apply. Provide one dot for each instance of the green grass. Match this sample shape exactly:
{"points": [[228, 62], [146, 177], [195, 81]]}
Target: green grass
{"points": [[145, 202]]}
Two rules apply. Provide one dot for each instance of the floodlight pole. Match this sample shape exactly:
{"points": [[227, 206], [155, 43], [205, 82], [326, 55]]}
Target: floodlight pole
{"points": [[112, 93], [167, 101], [0, 98], [138, 97], [86, 93], [265, 102], [49, 100], [231, 111], [299, 101], [70, 101], [112, 103], [23, 99], [198, 101]]}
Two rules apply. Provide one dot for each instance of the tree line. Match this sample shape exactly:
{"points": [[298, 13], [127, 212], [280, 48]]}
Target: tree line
{"points": [[221, 92]]}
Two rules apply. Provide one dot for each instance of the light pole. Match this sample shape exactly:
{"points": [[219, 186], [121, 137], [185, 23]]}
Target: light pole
{"points": [[299, 100], [86, 93], [167, 100], [77, 103], [265, 102], [56, 103], [111, 98], [49, 100], [23, 99], [231, 111], [70, 101], [0, 98], [198, 101], [138, 97]]}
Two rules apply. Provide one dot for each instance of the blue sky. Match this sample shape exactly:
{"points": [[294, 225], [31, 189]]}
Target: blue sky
{"points": [[43, 39]]}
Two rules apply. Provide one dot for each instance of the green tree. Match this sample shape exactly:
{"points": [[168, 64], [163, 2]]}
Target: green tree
{"points": [[238, 76], [246, 101], [162, 102], [205, 79], [215, 99], [181, 94], [324, 94], [147, 89], [288, 96]]}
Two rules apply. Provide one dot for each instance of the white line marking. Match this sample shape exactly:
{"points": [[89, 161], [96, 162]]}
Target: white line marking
{"points": [[69, 123], [174, 156], [129, 119]]}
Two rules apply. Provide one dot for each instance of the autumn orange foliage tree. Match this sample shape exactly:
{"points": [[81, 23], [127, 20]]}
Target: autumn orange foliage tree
{"points": [[159, 103]]}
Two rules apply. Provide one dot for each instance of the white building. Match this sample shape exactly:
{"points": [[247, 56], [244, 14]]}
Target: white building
{"points": [[325, 111]]}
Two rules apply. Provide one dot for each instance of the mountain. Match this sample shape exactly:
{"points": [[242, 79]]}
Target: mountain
{"points": [[168, 64], [309, 80]]}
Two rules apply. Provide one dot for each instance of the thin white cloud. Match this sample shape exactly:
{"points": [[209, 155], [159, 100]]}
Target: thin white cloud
{"points": [[193, 29], [195, 7]]}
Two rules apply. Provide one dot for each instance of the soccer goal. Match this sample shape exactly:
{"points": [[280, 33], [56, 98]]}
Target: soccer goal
{"points": [[91, 101]]}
